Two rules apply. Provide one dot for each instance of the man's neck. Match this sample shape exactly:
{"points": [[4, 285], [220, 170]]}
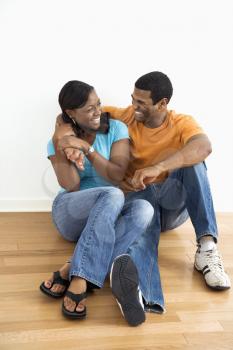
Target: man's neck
{"points": [[156, 123]]}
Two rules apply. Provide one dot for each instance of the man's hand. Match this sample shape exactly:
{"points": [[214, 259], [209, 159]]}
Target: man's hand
{"points": [[146, 176], [62, 129]]}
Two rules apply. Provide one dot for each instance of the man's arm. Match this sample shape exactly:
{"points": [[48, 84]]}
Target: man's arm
{"points": [[195, 151], [123, 114]]}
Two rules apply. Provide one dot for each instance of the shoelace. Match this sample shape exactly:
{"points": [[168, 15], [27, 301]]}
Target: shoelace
{"points": [[214, 260]]}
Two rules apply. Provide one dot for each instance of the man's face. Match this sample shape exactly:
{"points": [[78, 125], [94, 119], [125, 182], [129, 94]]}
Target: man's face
{"points": [[143, 105]]}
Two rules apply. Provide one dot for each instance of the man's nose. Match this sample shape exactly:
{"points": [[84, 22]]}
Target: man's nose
{"points": [[135, 105]]}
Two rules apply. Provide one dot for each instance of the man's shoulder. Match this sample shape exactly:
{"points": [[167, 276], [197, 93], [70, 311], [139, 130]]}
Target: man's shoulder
{"points": [[180, 119], [178, 116], [185, 125]]}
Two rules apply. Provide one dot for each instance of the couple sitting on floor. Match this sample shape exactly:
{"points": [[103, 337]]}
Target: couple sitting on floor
{"points": [[128, 174]]}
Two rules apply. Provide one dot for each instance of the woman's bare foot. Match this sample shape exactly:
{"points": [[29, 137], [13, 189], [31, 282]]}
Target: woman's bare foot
{"points": [[77, 286], [58, 288]]}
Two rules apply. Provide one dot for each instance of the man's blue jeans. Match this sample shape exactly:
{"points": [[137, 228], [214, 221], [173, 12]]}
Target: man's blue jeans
{"points": [[185, 193], [103, 225]]}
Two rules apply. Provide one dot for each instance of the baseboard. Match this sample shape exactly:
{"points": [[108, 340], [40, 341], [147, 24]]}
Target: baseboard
{"points": [[25, 205]]}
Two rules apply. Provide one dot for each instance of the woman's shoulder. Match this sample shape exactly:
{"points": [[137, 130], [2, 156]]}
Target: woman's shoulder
{"points": [[117, 124], [118, 129]]}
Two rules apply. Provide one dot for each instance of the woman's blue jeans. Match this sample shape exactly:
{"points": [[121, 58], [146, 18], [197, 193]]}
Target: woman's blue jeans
{"points": [[185, 193], [103, 225]]}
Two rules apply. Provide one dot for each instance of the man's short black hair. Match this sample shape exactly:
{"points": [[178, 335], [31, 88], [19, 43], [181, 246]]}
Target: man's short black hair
{"points": [[158, 83]]}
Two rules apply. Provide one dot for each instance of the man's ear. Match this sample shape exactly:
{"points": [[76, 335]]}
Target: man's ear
{"points": [[162, 104]]}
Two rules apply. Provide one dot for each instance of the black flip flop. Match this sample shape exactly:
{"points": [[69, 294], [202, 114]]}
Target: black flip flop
{"points": [[57, 279], [76, 298]]}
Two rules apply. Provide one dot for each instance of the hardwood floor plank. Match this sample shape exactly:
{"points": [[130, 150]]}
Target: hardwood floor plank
{"points": [[197, 318]]}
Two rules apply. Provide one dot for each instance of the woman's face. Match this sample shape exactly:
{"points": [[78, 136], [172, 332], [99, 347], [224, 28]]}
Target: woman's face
{"points": [[88, 116]]}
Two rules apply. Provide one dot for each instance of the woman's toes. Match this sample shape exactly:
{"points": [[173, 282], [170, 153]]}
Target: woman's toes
{"points": [[48, 283], [57, 288], [81, 306], [69, 304]]}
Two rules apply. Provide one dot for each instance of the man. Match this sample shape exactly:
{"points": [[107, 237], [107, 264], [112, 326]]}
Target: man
{"points": [[167, 168]]}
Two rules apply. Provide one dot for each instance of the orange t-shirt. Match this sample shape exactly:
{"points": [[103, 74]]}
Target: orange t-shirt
{"points": [[151, 146]]}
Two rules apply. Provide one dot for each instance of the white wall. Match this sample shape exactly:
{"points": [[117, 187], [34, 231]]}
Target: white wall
{"points": [[108, 44]]}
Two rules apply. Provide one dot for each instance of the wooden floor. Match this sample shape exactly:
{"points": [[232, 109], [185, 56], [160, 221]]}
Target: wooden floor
{"points": [[30, 248]]}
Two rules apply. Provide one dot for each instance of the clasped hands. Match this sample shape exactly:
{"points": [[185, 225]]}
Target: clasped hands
{"points": [[73, 147]]}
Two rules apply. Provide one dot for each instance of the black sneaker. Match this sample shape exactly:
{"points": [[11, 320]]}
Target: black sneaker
{"points": [[124, 283]]}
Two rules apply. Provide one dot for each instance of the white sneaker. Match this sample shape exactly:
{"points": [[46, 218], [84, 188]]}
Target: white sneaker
{"points": [[210, 264]]}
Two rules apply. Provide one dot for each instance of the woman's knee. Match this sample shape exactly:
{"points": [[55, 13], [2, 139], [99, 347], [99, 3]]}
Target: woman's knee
{"points": [[143, 211], [115, 195]]}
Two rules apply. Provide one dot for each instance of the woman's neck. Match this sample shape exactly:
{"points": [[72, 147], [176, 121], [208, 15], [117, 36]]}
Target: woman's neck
{"points": [[89, 136]]}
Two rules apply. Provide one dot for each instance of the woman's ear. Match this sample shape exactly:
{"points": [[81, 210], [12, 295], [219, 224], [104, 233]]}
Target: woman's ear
{"points": [[69, 113]]}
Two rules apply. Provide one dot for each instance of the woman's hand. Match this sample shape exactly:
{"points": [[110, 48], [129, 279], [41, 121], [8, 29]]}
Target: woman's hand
{"points": [[75, 156], [73, 142], [62, 131]]}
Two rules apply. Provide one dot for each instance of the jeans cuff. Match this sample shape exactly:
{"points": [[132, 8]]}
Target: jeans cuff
{"points": [[85, 277], [214, 235], [154, 308]]}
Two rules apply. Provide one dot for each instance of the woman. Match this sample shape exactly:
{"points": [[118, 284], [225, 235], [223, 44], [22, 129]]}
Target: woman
{"points": [[89, 153]]}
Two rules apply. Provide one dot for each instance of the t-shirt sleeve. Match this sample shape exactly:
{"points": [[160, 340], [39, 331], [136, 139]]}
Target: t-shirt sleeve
{"points": [[50, 149], [120, 131], [123, 114], [189, 128]]}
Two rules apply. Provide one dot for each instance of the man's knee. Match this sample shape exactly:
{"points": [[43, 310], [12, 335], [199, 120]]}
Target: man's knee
{"points": [[196, 169]]}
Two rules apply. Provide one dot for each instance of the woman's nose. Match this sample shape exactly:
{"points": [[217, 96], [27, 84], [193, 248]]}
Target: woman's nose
{"points": [[97, 111]]}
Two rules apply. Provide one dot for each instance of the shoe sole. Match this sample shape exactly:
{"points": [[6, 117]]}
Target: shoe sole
{"points": [[124, 283], [211, 287], [74, 315]]}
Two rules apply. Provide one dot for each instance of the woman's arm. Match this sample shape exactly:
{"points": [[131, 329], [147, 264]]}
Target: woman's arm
{"points": [[113, 170], [65, 170]]}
